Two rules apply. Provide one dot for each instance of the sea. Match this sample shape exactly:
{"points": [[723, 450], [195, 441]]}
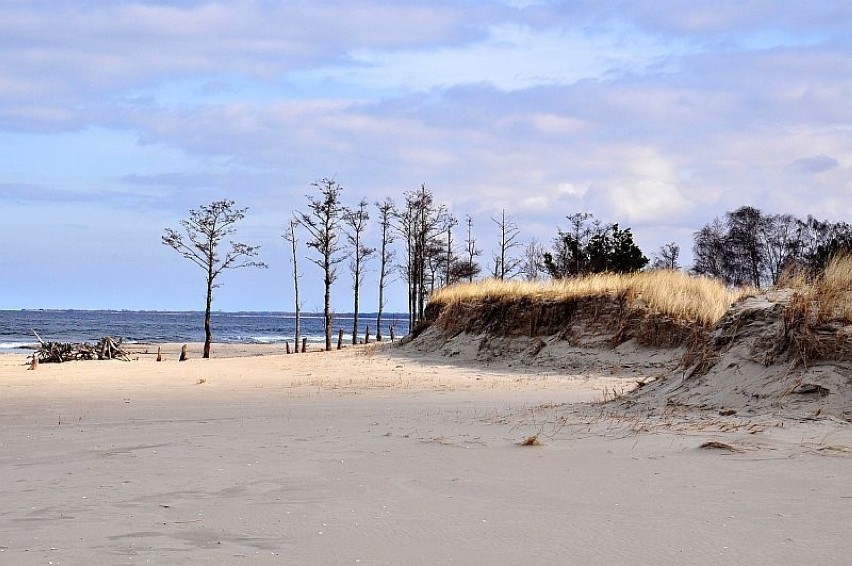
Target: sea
{"points": [[17, 326]]}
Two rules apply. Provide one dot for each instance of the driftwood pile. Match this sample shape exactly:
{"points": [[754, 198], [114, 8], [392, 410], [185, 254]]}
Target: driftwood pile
{"points": [[57, 352]]}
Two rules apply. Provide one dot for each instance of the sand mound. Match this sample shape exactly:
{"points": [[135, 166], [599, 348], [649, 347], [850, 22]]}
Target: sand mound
{"points": [[762, 357]]}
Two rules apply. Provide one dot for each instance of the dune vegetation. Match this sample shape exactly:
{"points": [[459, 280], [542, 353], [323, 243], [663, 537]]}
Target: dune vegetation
{"points": [[683, 297], [675, 294], [826, 298]]}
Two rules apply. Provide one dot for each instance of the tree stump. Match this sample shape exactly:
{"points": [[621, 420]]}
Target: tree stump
{"points": [[184, 353], [159, 353], [34, 362], [287, 346], [304, 345]]}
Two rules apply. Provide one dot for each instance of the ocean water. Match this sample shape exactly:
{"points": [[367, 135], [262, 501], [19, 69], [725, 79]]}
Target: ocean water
{"points": [[155, 326]]}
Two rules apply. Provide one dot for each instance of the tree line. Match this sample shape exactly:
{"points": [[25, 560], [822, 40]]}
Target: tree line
{"points": [[747, 247], [423, 243]]}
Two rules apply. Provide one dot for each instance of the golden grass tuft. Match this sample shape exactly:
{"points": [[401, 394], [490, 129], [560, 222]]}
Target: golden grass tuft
{"points": [[828, 298], [674, 294], [816, 309], [833, 291]]}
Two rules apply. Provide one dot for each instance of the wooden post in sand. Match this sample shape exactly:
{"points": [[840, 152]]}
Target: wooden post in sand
{"points": [[392, 330], [340, 339], [287, 346], [34, 363], [367, 335], [304, 345], [159, 353], [183, 353]]}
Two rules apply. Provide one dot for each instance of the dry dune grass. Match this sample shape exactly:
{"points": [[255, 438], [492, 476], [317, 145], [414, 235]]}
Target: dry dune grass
{"points": [[833, 290], [827, 298], [675, 294]]}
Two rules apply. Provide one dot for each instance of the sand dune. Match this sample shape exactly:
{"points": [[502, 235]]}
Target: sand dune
{"points": [[369, 456]]}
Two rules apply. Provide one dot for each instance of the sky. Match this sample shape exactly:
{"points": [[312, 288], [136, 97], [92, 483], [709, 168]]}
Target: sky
{"points": [[118, 117]]}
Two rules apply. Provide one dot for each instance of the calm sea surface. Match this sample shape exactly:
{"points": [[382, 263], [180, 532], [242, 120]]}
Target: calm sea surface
{"points": [[147, 326]]}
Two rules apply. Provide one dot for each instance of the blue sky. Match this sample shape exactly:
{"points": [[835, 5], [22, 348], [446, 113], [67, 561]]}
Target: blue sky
{"points": [[117, 117]]}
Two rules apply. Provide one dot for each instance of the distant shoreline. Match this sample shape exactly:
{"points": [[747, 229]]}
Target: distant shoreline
{"points": [[171, 350], [148, 327]]}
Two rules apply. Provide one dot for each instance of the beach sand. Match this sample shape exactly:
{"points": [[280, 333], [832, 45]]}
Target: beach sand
{"points": [[367, 456]]}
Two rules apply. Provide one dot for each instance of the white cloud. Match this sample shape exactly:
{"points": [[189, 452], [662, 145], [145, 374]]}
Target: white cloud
{"points": [[512, 57], [645, 200], [656, 114]]}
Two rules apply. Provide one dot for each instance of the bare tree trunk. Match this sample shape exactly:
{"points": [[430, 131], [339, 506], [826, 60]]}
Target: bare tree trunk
{"points": [[381, 299], [355, 317], [327, 313], [386, 212], [208, 331], [291, 237]]}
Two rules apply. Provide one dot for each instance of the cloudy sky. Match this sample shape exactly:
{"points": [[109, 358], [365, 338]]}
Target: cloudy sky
{"points": [[117, 117]]}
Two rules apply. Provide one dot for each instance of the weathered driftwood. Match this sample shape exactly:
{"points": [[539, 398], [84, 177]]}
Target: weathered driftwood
{"points": [[58, 352]]}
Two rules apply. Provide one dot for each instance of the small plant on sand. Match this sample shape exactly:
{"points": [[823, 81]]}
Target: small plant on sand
{"points": [[551, 420], [531, 440]]}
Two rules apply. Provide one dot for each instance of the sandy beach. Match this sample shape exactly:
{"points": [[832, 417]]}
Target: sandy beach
{"points": [[375, 456]]}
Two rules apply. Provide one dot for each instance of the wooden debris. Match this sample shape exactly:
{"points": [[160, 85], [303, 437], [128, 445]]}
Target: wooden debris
{"points": [[159, 353], [58, 352], [184, 353]]}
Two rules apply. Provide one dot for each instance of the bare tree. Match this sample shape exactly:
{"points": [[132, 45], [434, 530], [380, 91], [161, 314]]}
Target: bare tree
{"points": [[744, 227], [449, 258], [505, 265], [205, 228], [532, 261], [322, 221], [667, 257], [781, 239], [711, 253], [386, 211], [471, 268], [570, 254], [290, 236], [355, 222], [419, 223]]}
